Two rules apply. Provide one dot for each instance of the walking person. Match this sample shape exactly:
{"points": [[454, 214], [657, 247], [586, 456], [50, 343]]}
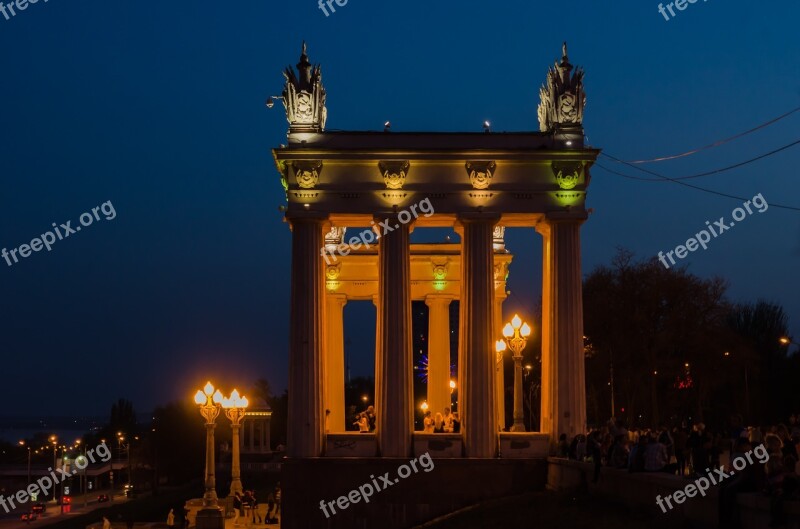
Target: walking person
{"points": [[456, 423], [277, 493], [270, 516], [448, 421], [247, 502], [237, 508], [256, 514], [438, 423], [427, 423], [362, 422]]}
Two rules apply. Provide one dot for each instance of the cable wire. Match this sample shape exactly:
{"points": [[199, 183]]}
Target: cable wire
{"points": [[707, 173], [704, 189], [716, 143]]}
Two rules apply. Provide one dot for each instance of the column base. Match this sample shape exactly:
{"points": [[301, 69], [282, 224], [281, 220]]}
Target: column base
{"points": [[518, 428], [210, 518]]}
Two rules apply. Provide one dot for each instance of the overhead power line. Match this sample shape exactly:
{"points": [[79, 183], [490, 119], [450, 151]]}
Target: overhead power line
{"points": [[716, 143], [679, 182], [707, 173]]}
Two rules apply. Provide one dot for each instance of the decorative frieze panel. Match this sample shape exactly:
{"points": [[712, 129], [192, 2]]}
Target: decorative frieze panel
{"points": [[568, 174], [480, 173], [307, 173], [394, 173]]}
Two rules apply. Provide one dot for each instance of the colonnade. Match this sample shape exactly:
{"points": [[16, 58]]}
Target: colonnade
{"points": [[316, 339]]}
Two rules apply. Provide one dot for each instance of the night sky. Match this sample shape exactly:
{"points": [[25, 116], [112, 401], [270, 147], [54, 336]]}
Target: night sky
{"points": [[158, 107]]}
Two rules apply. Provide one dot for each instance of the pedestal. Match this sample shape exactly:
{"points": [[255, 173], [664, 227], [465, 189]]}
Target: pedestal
{"points": [[210, 518]]}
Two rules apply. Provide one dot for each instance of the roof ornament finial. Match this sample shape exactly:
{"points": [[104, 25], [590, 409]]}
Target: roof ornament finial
{"points": [[304, 96], [562, 98]]}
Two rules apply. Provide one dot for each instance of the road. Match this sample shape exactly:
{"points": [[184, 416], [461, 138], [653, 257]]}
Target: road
{"points": [[53, 512]]}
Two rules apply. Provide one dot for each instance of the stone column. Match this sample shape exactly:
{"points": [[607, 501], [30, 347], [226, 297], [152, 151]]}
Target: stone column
{"points": [[334, 361], [500, 394], [438, 353], [563, 382], [394, 390], [477, 360], [306, 415], [236, 467]]}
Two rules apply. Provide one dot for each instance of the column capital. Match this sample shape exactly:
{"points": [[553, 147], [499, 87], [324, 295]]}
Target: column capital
{"points": [[476, 217], [544, 226], [579, 216], [340, 298], [389, 221], [295, 217], [432, 299]]}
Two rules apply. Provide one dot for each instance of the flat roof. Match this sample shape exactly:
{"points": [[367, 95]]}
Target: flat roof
{"points": [[433, 141]]}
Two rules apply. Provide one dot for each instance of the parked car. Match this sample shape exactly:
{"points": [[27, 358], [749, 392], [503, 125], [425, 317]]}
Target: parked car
{"points": [[38, 508], [102, 498], [66, 500]]}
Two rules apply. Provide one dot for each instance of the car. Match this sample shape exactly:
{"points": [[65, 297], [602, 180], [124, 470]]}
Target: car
{"points": [[102, 498], [29, 516], [66, 500], [38, 508]]}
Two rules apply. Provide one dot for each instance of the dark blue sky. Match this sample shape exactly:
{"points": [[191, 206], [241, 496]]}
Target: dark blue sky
{"points": [[158, 107]]}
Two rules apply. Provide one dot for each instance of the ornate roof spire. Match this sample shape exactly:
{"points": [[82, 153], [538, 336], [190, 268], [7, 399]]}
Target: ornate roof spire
{"points": [[304, 67], [304, 96], [562, 98]]}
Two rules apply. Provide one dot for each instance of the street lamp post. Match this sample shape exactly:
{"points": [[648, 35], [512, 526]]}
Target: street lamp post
{"points": [[54, 441], [84, 480], [64, 466], [515, 337], [210, 517], [22, 443], [235, 409]]}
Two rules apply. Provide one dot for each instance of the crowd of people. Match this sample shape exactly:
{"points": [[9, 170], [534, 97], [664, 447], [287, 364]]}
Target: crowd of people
{"points": [[246, 508], [365, 420], [692, 451], [445, 422], [440, 422]]}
